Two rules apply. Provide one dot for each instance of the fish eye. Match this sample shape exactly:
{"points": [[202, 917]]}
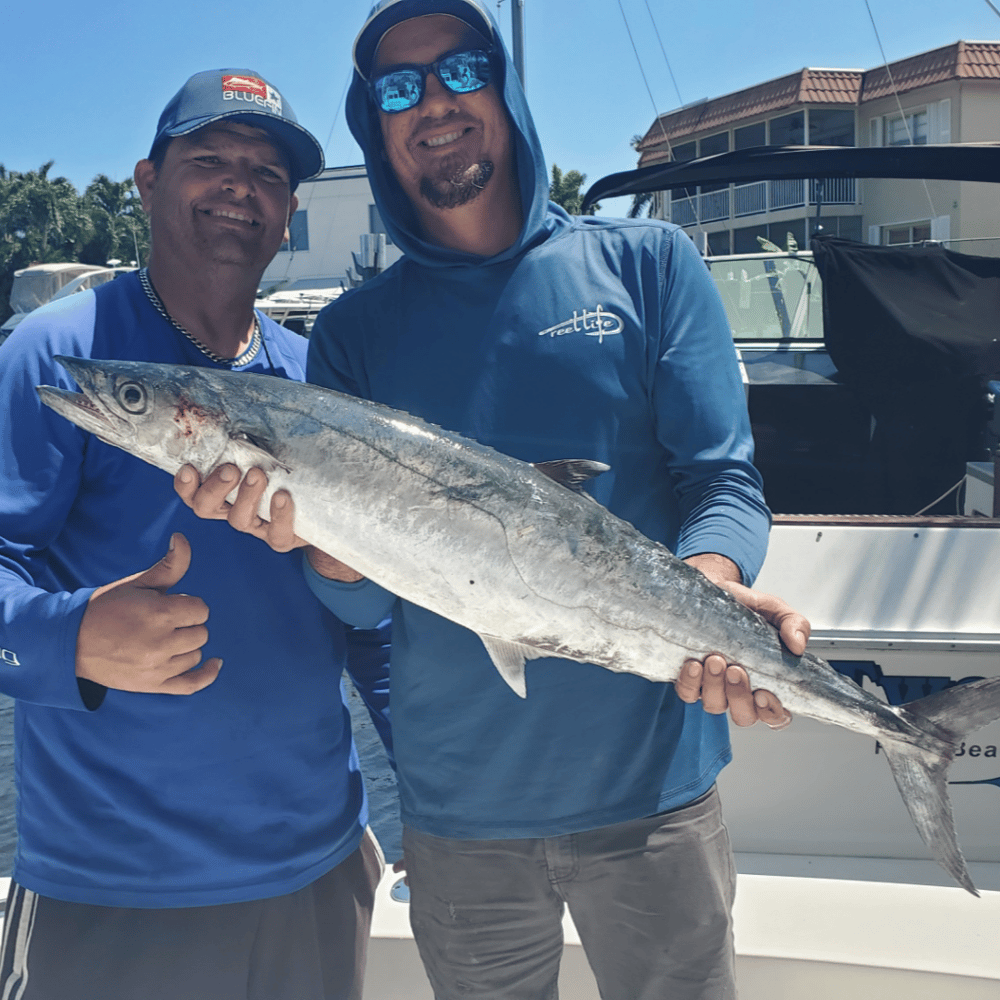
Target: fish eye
{"points": [[132, 397]]}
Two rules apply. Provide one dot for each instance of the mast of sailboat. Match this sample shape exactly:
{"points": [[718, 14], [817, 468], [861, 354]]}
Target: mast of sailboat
{"points": [[517, 35], [517, 27]]}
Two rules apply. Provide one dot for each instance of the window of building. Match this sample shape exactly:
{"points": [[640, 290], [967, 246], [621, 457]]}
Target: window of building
{"points": [[750, 136], [714, 144], [904, 130], [718, 243], [685, 151], [831, 127], [376, 225], [788, 130], [779, 232], [848, 226], [745, 240], [298, 232], [915, 232], [718, 143]]}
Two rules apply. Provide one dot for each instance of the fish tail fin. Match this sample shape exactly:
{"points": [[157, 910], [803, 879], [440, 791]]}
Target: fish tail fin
{"points": [[922, 774]]}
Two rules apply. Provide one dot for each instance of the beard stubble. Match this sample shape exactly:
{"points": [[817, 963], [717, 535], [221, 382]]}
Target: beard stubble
{"points": [[456, 184]]}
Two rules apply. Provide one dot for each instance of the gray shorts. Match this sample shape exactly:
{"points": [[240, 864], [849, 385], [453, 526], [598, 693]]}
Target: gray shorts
{"points": [[307, 945], [652, 900]]}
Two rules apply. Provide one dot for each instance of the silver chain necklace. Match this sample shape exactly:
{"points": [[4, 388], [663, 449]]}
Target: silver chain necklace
{"points": [[245, 358]]}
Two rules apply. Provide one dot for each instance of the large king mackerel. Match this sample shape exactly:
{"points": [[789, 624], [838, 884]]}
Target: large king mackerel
{"points": [[533, 567]]}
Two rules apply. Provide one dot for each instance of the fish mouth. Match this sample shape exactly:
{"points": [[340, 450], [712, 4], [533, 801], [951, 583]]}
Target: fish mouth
{"points": [[78, 408], [86, 409]]}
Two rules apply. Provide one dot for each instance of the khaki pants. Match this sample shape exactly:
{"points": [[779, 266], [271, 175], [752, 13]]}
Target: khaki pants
{"points": [[651, 898]]}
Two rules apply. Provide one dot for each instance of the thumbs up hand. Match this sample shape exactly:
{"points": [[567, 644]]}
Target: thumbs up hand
{"points": [[134, 636]]}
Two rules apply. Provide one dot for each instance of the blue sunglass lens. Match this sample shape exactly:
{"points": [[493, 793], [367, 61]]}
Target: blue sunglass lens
{"points": [[399, 91], [465, 72], [462, 73]]}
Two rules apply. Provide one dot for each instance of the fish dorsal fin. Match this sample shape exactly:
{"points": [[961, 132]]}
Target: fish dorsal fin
{"points": [[572, 472], [508, 657]]}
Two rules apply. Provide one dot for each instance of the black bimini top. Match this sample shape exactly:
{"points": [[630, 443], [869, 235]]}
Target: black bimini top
{"points": [[955, 162]]}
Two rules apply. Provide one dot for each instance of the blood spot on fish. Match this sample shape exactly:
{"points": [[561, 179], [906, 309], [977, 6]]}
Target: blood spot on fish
{"points": [[188, 415]]}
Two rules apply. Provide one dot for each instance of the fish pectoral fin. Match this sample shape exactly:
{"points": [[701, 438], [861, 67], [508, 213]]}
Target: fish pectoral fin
{"points": [[258, 452], [572, 472], [508, 657]]}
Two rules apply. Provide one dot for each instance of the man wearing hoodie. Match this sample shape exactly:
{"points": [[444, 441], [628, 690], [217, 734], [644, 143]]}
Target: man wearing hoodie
{"points": [[546, 337]]}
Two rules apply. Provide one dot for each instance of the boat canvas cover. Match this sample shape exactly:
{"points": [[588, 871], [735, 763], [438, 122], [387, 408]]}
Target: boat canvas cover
{"points": [[34, 286], [913, 332]]}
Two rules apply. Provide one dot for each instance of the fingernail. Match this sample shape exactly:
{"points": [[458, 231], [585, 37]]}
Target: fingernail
{"points": [[715, 668], [693, 669], [171, 547], [280, 500], [185, 475], [733, 675], [227, 474], [253, 477], [760, 699]]}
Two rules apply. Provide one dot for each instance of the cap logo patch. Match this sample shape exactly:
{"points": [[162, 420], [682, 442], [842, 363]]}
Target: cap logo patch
{"points": [[252, 90]]}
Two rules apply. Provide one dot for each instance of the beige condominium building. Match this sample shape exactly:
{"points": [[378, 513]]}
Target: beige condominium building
{"points": [[950, 94]]}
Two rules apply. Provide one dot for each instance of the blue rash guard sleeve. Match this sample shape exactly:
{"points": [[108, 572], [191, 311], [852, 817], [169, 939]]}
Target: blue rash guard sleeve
{"points": [[40, 460], [362, 604], [367, 664], [702, 421]]}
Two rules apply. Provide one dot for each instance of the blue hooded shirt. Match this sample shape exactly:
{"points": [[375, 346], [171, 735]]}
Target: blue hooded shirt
{"points": [[587, 338]]}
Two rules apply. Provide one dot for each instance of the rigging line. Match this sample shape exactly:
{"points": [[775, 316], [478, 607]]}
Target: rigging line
{"points": [[993, 7], [899, 103], [642, 73], [680, 100], [652, 100]]}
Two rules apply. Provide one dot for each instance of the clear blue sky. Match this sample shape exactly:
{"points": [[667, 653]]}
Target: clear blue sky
{"points": [[83, 84]]}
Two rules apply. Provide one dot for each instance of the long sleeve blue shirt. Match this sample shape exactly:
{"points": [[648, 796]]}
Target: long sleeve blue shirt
{"points": [[247, 789]]}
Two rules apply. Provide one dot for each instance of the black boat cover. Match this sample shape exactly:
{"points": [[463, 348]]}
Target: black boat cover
{"points": [[914, 333]]}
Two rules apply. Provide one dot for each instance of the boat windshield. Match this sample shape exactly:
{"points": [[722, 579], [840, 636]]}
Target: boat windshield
{"points": [[770, 296]]}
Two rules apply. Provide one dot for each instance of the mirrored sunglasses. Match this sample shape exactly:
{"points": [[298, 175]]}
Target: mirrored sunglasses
{"points": [[402, 87]]}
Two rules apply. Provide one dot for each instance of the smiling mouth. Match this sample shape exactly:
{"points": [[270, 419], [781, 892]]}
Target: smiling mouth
{"points": [[220, 213], [443, 140]]}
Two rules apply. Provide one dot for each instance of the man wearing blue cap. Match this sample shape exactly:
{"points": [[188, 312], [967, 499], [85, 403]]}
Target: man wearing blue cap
{"points": [[545, 337], [185, 830]]}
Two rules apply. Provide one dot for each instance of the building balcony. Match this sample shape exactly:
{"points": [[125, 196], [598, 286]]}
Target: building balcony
{"points": [[741, 200]]}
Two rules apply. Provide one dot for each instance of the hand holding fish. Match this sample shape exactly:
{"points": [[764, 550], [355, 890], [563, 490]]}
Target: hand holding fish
{"points": [[134, 636], [723, 686], [208, 500]]}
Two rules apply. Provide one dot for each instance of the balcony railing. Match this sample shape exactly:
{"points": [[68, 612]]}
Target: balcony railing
{"points": [[836, 191], [750, 199], [759, 197], [787, 194], [714, 205], [683, 211]]}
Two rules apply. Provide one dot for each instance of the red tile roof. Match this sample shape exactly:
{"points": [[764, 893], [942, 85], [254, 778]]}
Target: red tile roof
{"points": [[977, 60], [950, 62]]}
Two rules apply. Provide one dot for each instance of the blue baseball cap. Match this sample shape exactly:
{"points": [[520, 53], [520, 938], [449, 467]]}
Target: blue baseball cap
{"points": [[241, 95], [388, 13]]}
